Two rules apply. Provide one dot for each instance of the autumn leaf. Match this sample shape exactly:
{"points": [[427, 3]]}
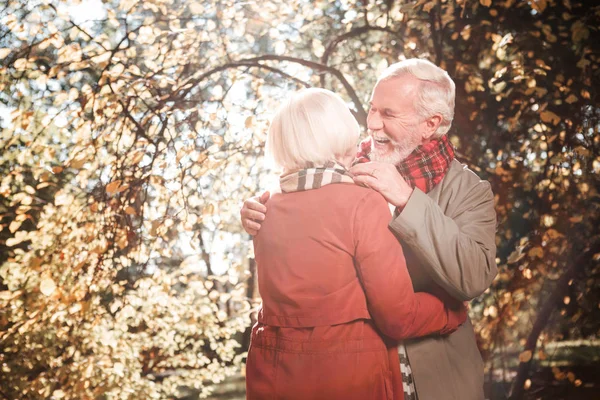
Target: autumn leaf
{"points": [[75, 308], [62, 198], [122, 241], [20, 64], [47, 286], [553, 234], [585, 94], [317, 47], [571, 99], [539, 5], [113, 187], [20, 236], [196, 8], [35, 262], [14, 226], [576, 218], [137, 157], [536, 252], [525, 356], [78, 162], [549, 117], [579, 32], [515, 256], [208, 210], [4, 52]]}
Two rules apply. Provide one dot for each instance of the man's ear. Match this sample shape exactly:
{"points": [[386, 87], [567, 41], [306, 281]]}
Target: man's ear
{"points": [[431, 126]]}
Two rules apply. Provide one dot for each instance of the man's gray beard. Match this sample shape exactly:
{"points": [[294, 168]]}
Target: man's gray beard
{"points": [[400, 152], [398, 155]]}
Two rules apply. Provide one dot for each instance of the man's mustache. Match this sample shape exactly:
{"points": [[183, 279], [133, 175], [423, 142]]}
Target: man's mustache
{"points": [[392, 141]]}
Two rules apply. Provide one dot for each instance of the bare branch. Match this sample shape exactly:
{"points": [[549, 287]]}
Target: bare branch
{"points": [[257, 61], [349, 35]]}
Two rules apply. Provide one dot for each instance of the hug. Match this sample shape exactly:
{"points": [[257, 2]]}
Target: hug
{"points": [[366, 262]]}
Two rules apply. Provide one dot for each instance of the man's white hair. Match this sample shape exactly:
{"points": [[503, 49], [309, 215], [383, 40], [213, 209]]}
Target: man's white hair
{"points": [[436, 92], [312, 127]]}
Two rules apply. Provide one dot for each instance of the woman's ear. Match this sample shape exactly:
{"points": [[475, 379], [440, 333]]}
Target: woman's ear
{"points": [[347, 159]]}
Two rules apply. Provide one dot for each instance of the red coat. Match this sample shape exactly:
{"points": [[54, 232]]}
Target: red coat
{"points": [[333, 278]]}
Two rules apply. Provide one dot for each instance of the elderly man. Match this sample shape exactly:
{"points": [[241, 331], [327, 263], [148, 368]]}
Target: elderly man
{"points": [[444, 217]]}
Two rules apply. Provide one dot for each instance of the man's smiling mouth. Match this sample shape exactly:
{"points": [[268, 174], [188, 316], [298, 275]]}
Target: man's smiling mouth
{"points": [[381, 140]]}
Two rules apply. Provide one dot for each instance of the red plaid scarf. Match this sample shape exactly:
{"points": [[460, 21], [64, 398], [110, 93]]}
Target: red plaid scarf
{"points": [[425, 167]]}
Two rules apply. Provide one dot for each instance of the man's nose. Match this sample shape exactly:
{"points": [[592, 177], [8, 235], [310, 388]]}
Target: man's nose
{"points": [[374, 121]]}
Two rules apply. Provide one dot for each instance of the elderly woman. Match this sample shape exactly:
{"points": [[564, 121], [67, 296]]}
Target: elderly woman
{"points": [[332, 277]]}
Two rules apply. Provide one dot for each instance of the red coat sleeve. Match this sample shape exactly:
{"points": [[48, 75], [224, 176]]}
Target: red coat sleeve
{"points": [[397, 310]]}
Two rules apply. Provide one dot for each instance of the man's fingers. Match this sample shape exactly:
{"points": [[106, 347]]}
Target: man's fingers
{"points": [[264, 197], [250, 225], [368, 181], [369, 168], [362, 169], [253, 204], [252, 232], [254, 215]]}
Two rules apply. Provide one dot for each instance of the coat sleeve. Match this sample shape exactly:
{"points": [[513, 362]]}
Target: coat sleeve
{"points": [[458, 253], [397, 310]]}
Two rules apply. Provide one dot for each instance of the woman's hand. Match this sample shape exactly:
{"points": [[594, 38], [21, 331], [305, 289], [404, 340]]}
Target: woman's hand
{"points": [[457, 315]]}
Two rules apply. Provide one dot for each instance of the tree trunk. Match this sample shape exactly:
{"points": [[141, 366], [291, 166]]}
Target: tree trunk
{"points": [[518, 389]]}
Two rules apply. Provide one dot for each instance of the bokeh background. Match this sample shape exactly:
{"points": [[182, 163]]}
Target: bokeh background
{"points": [[131, 131]]}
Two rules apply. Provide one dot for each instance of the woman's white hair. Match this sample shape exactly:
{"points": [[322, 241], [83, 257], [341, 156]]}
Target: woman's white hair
{"points": [[312, 127], [436, 94]]}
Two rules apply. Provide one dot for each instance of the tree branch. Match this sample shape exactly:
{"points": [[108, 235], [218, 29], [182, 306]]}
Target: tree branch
{"points": [[257, 61], [349, 35], [284, 74], [436, 34]]}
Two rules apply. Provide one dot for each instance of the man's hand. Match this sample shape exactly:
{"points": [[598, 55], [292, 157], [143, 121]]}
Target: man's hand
{"points": [[384, 178], [253, 212]]}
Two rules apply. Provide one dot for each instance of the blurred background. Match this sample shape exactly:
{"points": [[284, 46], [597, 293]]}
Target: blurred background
{"points": [[131, 131]]}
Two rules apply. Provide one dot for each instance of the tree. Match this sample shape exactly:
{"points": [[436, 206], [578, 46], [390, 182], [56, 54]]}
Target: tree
{"points": [[134, 135]]}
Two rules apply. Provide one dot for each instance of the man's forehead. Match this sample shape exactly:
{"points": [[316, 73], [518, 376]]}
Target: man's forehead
{"points": [[393, 89]]}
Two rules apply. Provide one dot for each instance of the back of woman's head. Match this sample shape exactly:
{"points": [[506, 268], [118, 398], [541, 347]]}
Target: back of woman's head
{"points": [[312, 127]]}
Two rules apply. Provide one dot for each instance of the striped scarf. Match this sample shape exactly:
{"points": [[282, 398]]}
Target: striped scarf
{"points": [[314, 178]]}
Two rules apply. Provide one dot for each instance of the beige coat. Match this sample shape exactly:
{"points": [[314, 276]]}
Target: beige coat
{"points": [[449, 239]]}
